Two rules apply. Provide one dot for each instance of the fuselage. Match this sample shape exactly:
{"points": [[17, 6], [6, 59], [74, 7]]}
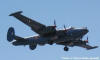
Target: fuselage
{"points": [[61, 36]]}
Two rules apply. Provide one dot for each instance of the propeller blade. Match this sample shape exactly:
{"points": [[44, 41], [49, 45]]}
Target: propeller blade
{"points": [[64, 27], [54, 22], [87, 40], [87, 37]]}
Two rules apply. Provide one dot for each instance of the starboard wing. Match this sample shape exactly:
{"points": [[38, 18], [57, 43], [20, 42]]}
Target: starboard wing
{"points": [[88, 47]]}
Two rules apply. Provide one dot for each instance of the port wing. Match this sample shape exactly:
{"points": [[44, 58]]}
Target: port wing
{"points": [[35, 26]]}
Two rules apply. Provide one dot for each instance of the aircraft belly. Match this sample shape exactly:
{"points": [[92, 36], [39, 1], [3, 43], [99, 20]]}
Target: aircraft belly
{"points": [[61, 40], [66, 39]]}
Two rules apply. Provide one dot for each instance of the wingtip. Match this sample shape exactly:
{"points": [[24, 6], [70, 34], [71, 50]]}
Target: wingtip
{"points": [[95, 46], [92, 47], [18, 12]]}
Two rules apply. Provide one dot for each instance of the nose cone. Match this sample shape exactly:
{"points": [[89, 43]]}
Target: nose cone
{"points": [[84, 31]]}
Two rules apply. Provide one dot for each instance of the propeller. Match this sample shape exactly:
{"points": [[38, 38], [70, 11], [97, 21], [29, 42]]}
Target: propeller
{"points": [[87, 40], [87, 37], [55, 23], [65, 27]]}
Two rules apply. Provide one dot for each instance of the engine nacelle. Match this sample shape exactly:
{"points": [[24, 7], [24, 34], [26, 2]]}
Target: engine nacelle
{"points": [[32, 46], [32, 43]]}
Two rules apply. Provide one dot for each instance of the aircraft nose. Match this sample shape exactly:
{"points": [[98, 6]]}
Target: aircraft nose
{"points": [[84, 31]]}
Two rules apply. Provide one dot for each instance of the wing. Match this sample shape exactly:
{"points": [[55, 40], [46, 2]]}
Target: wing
{"points": [[35, 26], [88, 47]]}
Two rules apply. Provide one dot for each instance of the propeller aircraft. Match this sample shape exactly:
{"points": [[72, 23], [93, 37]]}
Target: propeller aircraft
{"points": [[48, 35]]}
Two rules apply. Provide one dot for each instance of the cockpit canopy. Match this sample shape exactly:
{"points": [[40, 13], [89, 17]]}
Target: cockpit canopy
{"points": [[77, 28]]}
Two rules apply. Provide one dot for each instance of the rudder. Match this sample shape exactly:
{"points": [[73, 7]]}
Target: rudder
{"points": [[10, 34]]}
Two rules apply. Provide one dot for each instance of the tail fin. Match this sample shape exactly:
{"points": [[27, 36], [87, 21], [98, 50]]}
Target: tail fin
{"points": [[10, 34]]}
